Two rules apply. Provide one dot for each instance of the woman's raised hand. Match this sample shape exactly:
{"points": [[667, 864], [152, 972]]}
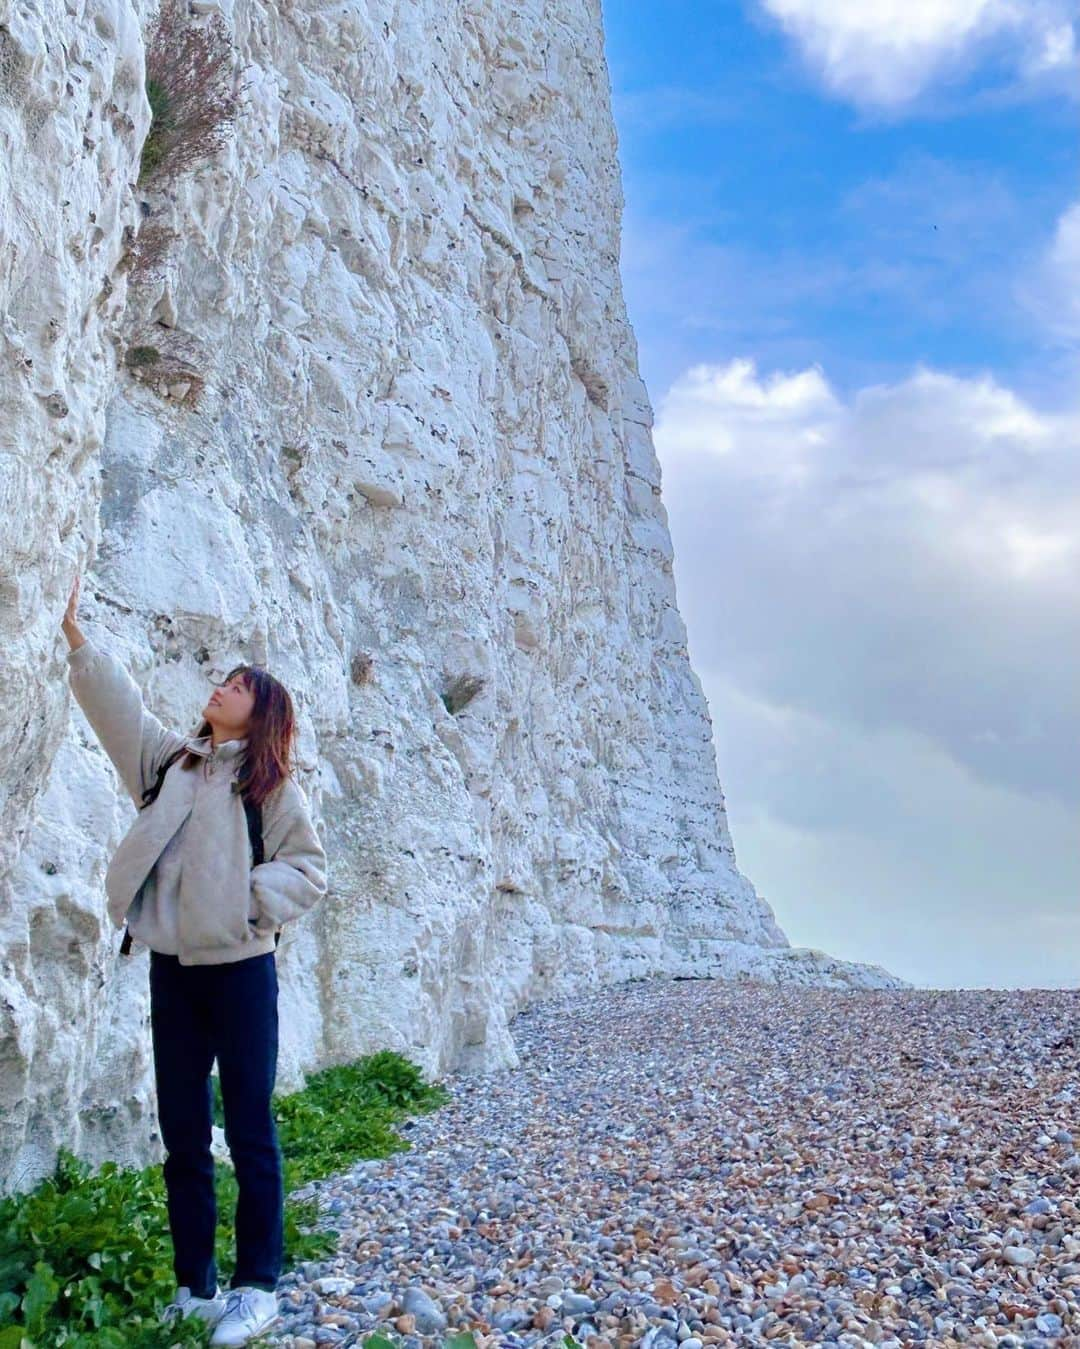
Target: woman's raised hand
{"points": [[70, 622]]}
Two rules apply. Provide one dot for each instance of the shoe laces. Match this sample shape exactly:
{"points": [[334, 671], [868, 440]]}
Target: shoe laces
{"points": [[240, 1301], [182, 1306]]}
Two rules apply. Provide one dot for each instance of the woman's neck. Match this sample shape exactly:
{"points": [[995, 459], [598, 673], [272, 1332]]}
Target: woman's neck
{"points": [[220, 737]]}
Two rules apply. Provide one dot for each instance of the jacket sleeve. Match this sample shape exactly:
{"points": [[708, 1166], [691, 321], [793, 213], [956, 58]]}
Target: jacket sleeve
{"points": [[294, 877], [130, 734]]}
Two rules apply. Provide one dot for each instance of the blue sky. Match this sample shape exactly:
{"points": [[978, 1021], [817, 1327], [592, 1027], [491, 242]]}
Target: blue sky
{"points": [[851, 258]]}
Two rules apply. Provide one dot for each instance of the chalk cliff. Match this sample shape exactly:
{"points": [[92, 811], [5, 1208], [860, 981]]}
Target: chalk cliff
{"points": [[354, 395]]}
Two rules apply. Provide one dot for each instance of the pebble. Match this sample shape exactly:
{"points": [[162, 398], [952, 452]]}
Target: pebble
{"points": [[426, 1315], [691, 1164]]}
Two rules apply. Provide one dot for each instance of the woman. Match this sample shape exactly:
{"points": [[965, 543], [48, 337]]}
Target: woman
{"points": [[182, 878]]}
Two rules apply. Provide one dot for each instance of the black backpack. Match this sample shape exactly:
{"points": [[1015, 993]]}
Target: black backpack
{"points": [[254, 825]]}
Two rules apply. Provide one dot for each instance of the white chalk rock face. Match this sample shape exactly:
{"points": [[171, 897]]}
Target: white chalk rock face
{"points": [[355, 397]]}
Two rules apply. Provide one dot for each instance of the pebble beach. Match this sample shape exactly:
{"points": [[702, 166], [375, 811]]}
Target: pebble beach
{"points": [[702, 1162]]}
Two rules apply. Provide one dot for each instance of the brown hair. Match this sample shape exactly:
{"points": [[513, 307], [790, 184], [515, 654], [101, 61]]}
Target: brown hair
{"points": [[268, 758]]}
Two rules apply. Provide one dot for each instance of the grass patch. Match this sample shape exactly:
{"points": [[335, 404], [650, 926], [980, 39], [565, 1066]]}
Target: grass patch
{"points": [[140, 356], [86, 1257]]}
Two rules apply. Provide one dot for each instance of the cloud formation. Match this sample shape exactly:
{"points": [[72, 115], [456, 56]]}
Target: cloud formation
{"points": [[880, 592], [886, 53], [921, 542]]}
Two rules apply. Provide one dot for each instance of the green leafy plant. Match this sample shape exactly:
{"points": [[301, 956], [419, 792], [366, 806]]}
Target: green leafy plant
{"points": [[86, 1257], [84, 1254], [350, 1111]]}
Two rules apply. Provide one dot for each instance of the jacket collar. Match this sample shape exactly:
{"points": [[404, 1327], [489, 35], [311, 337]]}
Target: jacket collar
{"points": [[204, 745]]}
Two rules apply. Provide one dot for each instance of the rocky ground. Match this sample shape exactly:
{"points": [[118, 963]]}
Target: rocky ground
{"points": [[713, 1163]]}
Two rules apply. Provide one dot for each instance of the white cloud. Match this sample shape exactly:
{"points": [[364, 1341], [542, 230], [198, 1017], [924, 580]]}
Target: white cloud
{"points": [[789, 414], [909, 557], [880, 594], [886, 52], [1055, 51]]}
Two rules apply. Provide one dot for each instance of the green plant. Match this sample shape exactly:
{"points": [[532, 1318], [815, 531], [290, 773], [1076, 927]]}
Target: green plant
{"points": [[136, 357], [83, 1255], [350, 1111], [162, 122], [86, 1258], [189, 77]]}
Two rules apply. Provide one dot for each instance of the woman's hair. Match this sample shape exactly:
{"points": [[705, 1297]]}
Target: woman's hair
{"points": [[268, 757]]}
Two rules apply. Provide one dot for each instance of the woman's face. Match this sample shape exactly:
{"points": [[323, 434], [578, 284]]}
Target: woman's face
{"points": [[229, 709]]}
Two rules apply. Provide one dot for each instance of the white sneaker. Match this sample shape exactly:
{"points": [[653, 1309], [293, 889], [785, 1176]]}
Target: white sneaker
{"points": [[247, 1312], [209, 1309]]}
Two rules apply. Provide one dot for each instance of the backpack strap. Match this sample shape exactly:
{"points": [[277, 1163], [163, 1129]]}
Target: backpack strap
{"points": [[254, 824], [255, 834], [159, 780]]}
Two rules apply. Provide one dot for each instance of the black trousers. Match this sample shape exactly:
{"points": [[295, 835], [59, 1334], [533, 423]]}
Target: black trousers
{"points": [[228, 1012]]}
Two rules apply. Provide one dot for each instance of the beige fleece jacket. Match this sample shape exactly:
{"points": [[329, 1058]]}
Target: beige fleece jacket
{"points": [[183, 872]]}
